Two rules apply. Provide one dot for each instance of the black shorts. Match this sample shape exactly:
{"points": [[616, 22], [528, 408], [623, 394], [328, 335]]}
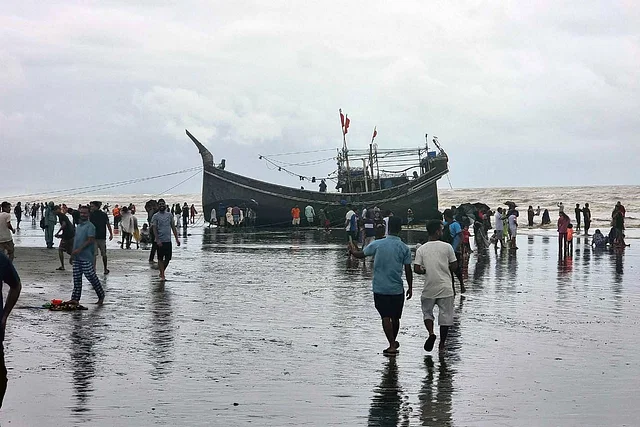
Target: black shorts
{"points": [[165, 252], [389, 305]]}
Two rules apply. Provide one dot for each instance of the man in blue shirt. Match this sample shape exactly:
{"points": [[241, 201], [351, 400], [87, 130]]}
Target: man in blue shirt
{"points": [[391, 254], [83, 258], [455, 233], [9, 276]]}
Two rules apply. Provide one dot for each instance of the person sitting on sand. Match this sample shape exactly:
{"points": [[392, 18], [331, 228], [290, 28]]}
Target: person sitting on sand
{"points": [[145, 236], [599, 241], [391, 254]]}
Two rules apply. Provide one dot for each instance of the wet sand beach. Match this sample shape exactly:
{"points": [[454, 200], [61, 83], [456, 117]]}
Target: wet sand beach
{"points": [[279, 328]]}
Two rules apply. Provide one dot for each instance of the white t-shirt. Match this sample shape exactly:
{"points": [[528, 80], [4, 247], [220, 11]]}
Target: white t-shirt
{"points": [[498, 221], [386, 225], [512, 222], [5, 233], [435, 257], [348, 219]]}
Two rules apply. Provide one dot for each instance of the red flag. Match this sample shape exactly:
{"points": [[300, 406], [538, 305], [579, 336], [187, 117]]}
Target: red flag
{"points": [[341, 118], [346, 124], [375, 133]]}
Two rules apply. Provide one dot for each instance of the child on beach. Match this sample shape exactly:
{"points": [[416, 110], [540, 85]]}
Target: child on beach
{"points": [[570, 238], [466, 235]]}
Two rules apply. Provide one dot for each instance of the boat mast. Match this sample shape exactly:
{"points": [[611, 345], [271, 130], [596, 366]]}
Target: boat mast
{"points": [[373, 180], [345, 151]]}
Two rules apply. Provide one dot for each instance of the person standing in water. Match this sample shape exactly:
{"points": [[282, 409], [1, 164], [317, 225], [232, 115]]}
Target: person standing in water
{"points": [[18, 213], [391, 255], [560, 208], [586, 213], [162, 225], [530, 214], [499, 230], [83, 258], [563, 224], [578, 212], [192, 213], [454, 237], [436, 260]]}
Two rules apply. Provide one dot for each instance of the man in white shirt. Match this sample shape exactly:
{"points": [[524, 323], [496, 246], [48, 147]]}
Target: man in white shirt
{"points": [[387, 214], [436, 260], [6, 230], [350, 225]]}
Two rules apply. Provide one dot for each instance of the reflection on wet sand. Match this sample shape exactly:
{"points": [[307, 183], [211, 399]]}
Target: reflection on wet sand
{"points": [[387, 400], [83, 359], [436, 396], [161, 332]]}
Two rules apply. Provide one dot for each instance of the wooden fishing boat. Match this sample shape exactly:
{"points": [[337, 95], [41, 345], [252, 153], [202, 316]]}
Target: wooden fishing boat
{"points": [[367, 186]]}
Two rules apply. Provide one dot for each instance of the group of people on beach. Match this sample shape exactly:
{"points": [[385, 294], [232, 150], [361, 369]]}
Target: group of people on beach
{"points": [[439, 260]]}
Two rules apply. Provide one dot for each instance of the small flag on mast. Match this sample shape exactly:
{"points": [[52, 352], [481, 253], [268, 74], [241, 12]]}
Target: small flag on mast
{"points": [[375, 133], [341, 119], [346, 124]]}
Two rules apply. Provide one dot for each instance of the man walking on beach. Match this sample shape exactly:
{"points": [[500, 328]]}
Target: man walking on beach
{"points": [[9, 276], [50, 220], [391, 255], [162, 225], [100, 221], [6, 230], [83, 258], [66, 233], [454, 237], [436, 260]]}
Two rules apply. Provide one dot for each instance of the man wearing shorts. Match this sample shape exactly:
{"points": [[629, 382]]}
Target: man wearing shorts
{"points": [[391, 255], [100, 221], [162, 225], [436, 260]]}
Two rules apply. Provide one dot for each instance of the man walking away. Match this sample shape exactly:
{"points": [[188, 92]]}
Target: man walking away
{"points": [[586, 213], [213, 219], [152, 207], [66, 233], [6, 230], [100, 221], [310, 214], [578, 212], [18, 213], [162, 225], [452, 234], [9, 276], [84, 245], [436, 260], [185, 215], [369, 230], [390, 256], [50, 220], [126, 227]]}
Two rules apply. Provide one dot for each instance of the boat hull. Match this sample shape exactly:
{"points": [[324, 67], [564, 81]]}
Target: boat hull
{"points": [[272, 203]]}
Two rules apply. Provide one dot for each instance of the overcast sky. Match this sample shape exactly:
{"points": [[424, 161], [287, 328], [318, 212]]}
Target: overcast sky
{"points": [[519, 93]]}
